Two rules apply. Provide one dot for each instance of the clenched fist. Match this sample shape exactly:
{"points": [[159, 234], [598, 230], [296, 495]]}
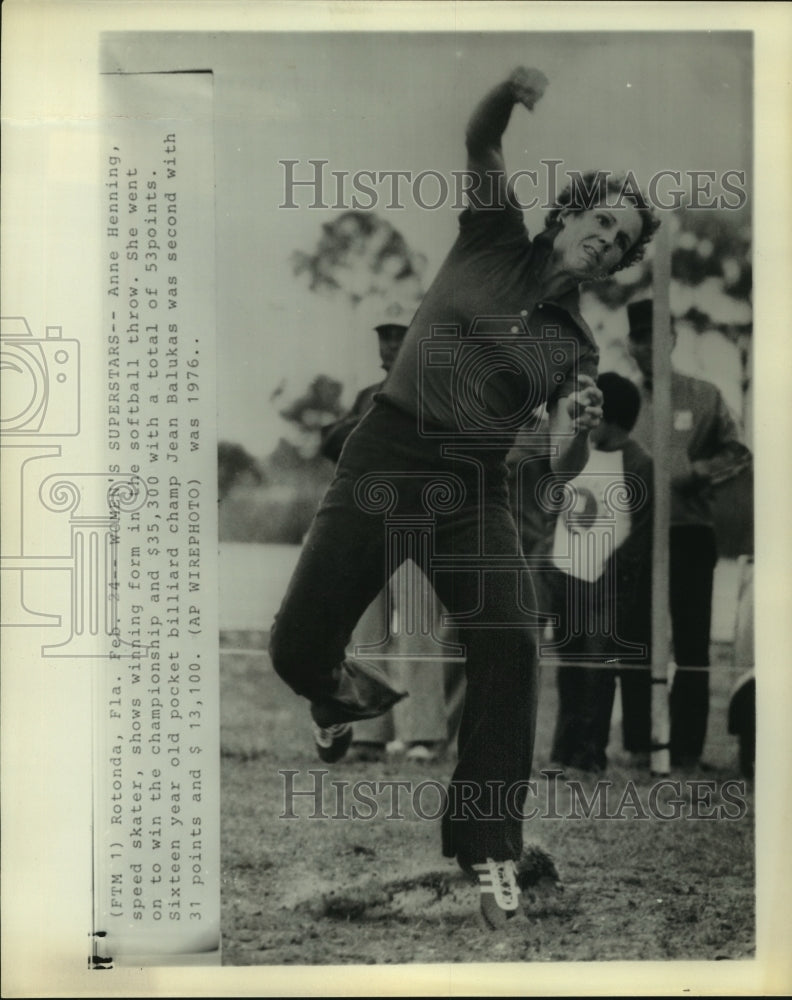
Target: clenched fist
{"points": [[528, 85], [585, 405]]}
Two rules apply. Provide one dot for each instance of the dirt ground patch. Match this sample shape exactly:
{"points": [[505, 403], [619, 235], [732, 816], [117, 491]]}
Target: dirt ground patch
{"points": [[304, 883]]}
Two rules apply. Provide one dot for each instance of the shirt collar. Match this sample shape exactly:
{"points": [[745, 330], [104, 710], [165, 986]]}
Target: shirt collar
{"points": [[569, 301]]}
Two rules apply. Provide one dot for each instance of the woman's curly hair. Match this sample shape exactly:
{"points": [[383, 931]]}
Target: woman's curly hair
{"points": [[595, 189]]}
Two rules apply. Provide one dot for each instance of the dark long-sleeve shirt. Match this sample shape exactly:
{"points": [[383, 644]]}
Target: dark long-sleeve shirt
{"points": [[485, 350], [702, 431]]}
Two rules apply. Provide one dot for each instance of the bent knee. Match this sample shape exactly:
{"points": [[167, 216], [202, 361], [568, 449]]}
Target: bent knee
{"points": [[281, 652], [295, 659]]}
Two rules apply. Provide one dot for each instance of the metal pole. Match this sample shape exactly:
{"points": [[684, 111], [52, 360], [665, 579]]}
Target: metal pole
{"points": [[661, 436]]}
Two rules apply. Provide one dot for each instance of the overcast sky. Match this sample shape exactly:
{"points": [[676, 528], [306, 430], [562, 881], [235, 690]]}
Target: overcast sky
{"points": [[644, 102]]}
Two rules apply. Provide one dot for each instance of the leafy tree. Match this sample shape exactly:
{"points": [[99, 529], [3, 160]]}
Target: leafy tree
{"points": [[711, 277], [234, 465], [362, 256], [358, 257], [319, 405]]}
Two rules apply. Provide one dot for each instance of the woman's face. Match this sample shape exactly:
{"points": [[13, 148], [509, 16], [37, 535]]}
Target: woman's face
{"points": [[593, 242]]}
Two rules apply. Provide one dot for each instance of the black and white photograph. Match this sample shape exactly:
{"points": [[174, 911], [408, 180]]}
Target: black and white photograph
{"points": [[394, 501]]}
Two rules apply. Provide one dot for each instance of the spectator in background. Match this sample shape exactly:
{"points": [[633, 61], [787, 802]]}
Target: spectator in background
{"points": [[419, 722], [390, 337], [705, 451], [600, 589]]}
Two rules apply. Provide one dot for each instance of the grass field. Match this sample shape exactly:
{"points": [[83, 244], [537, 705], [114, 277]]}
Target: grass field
{"points": [[320, 891]]}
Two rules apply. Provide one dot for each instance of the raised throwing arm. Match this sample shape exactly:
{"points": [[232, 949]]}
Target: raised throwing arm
{"points": [[485, 131]]}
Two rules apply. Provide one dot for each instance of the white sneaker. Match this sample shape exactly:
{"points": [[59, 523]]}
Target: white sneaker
{"points": [[500, 894], [332, 742], [422, 752]]}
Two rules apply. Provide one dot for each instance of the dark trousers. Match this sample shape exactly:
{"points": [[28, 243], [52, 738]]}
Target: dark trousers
{"points": [[635, 683], [692, 557], [589, 634], [585, 704], [390, 482]]}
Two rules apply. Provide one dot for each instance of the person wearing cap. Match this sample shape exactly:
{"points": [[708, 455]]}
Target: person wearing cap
{"points": [[389, 336], [497, 337], [705, 450], [419, 722]]}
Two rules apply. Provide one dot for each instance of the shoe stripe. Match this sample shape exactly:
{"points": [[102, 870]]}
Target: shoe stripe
{"points": [[498, 878]]}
